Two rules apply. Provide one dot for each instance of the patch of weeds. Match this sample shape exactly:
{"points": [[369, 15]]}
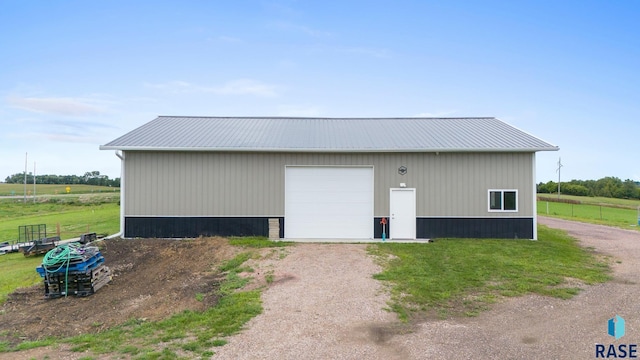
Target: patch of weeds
{"points": [[130, 349], [233, 267], [104, 342], [81, 348], [34, 344], [191, 346], [199, 297], [232, 282], [235, 263], [218, 342], [472, 313], [172, 334], [165, 354], [256, 242], [269, 277], [442, 313]]}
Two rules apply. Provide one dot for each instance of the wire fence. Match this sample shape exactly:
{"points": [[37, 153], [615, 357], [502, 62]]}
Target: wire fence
{"points": [[614, 215]]}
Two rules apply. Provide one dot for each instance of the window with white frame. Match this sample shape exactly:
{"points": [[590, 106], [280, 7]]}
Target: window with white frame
{"points": [[503, 200]]}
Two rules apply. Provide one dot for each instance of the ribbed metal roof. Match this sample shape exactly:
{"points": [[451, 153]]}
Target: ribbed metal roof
{"points": [[328, 135]]}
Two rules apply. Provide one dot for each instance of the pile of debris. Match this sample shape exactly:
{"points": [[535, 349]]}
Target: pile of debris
{"points": [[73, 269]]}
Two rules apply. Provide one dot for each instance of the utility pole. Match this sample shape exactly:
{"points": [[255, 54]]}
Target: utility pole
{"points": [[34, 182], [25, 178], [558, 171]]}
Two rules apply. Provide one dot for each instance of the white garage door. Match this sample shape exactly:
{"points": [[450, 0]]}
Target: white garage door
{"points": [[328, 203]]}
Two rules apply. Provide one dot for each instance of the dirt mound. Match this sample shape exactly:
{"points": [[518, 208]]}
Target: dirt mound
{"points": [[152, 279]]}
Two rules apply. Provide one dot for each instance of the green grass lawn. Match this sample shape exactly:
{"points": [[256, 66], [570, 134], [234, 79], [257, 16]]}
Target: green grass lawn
{"points": [[16, 271], [53, 189], [463, 276]]}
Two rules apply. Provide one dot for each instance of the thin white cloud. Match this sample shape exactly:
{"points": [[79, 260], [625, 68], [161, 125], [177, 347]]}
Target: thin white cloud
{"points": [[71, 138], [56, 105], [234, 87], [42, 128]]}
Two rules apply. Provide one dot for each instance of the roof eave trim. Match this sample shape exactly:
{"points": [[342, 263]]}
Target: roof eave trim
{"points": [[289, 150]]}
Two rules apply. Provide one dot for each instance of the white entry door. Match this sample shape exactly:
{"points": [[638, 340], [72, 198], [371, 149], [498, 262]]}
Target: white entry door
{"points": [[324, 202], [402, 223]]}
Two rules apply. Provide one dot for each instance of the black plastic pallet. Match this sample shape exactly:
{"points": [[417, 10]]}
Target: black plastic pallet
{"points": [[59, 285]]}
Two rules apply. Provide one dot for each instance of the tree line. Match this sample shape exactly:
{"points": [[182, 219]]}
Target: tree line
{"points": [[608, 186], [89, 178]]}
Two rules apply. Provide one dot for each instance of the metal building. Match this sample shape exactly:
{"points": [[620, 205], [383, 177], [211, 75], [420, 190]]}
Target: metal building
{"points": [[328, 178]]}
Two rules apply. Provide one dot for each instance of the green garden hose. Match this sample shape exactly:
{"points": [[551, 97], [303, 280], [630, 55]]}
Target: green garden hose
{"points": [[62, 255]]}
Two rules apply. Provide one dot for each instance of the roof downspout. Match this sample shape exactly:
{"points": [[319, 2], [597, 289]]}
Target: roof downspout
{"points": [[535, 197], [121, 155]]}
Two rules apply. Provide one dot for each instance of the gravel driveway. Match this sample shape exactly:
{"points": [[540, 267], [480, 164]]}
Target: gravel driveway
{"points": [[324, 305], [327, 306]]}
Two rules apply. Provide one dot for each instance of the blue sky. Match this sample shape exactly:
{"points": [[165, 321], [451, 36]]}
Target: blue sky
{"points": [[77, 74]]}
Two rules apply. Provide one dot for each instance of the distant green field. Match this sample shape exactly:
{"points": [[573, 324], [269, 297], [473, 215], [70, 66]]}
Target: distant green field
{"points": [[48, 189], [100, 215], [632, 204], [598, 214]]}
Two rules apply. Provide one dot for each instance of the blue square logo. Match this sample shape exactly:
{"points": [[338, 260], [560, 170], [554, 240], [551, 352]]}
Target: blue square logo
{"points": [[616, 327]]}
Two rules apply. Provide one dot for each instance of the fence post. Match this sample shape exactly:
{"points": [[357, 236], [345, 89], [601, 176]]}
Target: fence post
{"points": [[58, 229], [547, 208], [601, 212]]}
